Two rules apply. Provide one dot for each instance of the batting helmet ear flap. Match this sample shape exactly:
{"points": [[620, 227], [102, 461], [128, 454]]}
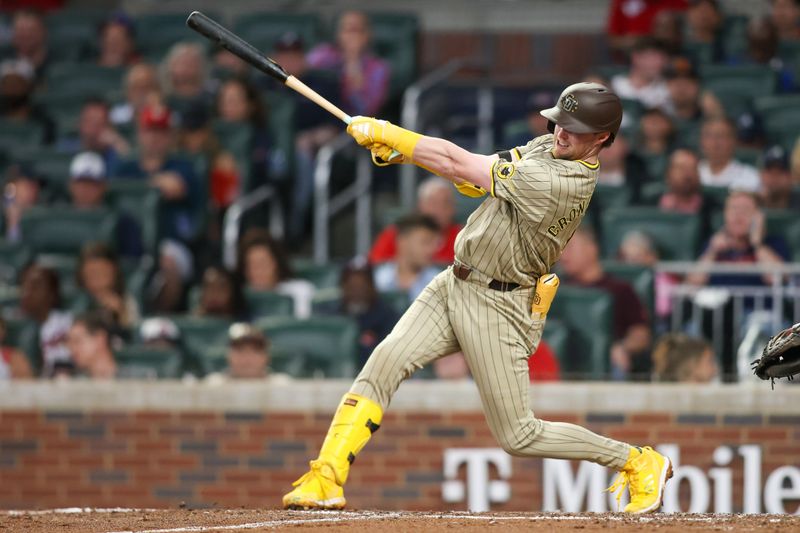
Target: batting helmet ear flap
{"points": [[551, 126]]}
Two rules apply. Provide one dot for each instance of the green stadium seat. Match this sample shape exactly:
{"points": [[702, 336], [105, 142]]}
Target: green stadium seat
{"points": [[394, 38], [327, 346], [676, 235], [793, 237], [587, 313], [54, 169], [15, 135], [699, 53], [609, 71], [751, 81], [655, 165], [263, 29], [397, 300], [142, 203], [641, 278], [716, 196], [514, 130], [72, 34], [202, 336], [14, 256], [143, 362], [266, 304], [786, 224], [280, 122], [465, 206], [61, 230], [650, 193], [322, 276], [556, 335], [88, 79], [23, 334], [631, 113], [751, 156], [734, 35], [157, 32], [780, 117], [608, 196]]}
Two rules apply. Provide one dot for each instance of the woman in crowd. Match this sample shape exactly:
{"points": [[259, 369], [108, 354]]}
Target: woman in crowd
{"points": [[100, 275]]}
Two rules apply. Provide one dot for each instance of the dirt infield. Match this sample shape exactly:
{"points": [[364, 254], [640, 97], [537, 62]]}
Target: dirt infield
{"points": [[206, 521]]}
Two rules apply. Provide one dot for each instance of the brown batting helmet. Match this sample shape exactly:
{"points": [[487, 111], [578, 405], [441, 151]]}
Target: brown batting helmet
{"points": [[586, 108]]}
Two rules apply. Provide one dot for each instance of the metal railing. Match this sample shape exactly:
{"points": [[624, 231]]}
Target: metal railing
{"points": [[410, 117], [739, 317], [358, 193], [233, 218]]}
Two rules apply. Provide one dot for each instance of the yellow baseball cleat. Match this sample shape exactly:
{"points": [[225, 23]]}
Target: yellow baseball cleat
{"points": [[646, 474], [317, 489]]}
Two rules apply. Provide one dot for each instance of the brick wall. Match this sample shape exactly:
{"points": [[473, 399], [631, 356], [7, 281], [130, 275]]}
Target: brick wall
{"points": [[151, 458]]}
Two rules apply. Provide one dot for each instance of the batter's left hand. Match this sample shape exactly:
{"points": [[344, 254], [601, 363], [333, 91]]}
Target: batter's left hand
{"points": [[383, 155], [369, 131]]}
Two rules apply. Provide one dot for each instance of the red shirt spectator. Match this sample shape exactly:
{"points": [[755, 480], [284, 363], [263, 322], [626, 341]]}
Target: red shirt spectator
{"points": [[385, 248], [635, 17], [543, 364]]}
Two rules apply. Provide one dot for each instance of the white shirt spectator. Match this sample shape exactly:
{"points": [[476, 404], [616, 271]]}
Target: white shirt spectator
{"points": [[653, 95], [53, 340], [301, 291], [736, 175]]}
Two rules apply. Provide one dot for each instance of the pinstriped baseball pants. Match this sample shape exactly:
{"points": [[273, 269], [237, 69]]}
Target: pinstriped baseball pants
{"points": [[495, 332]]}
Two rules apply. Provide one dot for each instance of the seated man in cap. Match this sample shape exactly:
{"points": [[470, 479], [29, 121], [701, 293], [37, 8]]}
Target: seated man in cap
{"points": [[776, 181], [88, 183]]}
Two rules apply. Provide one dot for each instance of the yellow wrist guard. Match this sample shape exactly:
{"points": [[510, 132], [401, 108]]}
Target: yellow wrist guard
{"points": [[368, 131], [468, 189]]}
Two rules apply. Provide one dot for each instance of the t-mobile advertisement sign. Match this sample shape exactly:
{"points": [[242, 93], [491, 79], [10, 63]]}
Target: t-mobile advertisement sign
{"points": [[569, 489]]}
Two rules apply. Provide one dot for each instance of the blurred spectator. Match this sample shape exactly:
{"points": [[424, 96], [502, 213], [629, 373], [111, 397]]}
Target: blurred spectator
{"points": [[360, 301], [248, 352], [631, 326], [160, 333], [185, 74], [264, 266], [228, 65], [221, 295], [656, 133], [29, 39], [704, 26], [90, 344], [620, 166], [314, 126], [678, 358], [683, 193], [166, 292], [197, 138], [543, 365], [434, 199], [16, 98], [100, 275], [117, 42], [141, 87], [668, 30], [172, 175], [762, 49], [711, 106], [684, 97], [718, 167], [645, 79], [630, 19], [364, 78], [88, 184], [238, 102], [535, 122], [21, 191], [776, 181], [13, 363], [412, 268], [40, 301], [451, 367], [785, 15], [742, 239], [96, 134], [637, 248]]}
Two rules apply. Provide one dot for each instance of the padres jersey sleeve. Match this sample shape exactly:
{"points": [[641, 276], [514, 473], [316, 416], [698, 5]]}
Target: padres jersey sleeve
{"points": [[537, 203]]}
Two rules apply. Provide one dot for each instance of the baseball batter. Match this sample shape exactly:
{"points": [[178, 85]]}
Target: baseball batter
{"points": [[492, 302]]}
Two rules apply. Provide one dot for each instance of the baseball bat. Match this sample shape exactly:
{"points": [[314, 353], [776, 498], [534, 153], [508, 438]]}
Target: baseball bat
{"points": [[216, 33]]}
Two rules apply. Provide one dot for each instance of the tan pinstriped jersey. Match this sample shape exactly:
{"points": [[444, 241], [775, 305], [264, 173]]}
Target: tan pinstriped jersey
{"points": [[537, 203]]}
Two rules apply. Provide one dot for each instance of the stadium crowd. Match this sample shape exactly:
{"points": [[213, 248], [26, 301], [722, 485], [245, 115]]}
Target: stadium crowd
{"points": [[120, 158]]}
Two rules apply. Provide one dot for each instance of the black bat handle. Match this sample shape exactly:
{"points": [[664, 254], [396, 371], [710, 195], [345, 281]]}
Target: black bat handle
{"points": [[235, 44]]}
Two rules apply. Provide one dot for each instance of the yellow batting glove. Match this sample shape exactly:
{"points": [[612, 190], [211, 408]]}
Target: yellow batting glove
{"points": [[546, 288], [383, 155], [368, 131], [468, 189]]}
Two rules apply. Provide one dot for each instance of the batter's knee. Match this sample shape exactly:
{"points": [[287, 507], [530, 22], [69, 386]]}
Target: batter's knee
{"points": [[517, 441]]}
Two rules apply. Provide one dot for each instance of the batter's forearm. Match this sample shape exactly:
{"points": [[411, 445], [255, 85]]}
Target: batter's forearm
{"points": [[453, 162]]}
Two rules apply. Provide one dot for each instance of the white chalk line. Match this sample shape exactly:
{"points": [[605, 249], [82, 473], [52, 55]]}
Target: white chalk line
{"points": [[345, 516], [74, 510]]}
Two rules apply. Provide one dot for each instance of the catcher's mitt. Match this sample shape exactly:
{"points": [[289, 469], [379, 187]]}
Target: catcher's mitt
{"points": [[781, 356]]}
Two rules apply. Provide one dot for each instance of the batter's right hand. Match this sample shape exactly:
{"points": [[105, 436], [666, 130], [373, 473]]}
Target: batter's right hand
{"points": [[383, 155]]}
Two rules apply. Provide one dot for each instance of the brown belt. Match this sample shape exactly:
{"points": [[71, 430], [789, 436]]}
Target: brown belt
{"points": [[462, 272]]}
